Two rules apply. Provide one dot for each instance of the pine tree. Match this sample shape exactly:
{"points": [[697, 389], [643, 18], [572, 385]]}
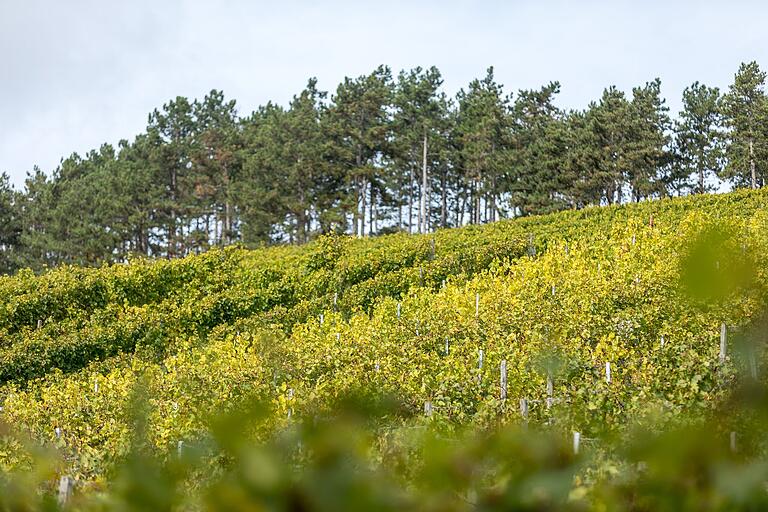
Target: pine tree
{"points": [[10, 227], [648, 141], [745, 109], [358, 122], [483, 140], [418, 126], [537, 162], [698, 137]]}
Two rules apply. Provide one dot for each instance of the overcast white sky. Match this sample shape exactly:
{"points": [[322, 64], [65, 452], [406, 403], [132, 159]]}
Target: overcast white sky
{"points": [[77, 73]]}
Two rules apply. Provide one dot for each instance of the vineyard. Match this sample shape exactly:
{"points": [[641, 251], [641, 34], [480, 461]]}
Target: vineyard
{"points": [[362, 369]]}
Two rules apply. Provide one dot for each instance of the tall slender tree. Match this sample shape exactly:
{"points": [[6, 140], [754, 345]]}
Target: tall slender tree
{"points": [[358, 120], [10, 226], [483, 140], [745, 110], [698, 137], [420, 118]]}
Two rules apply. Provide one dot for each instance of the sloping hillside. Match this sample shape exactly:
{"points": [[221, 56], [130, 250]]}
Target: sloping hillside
{"points": [[586, 321]]}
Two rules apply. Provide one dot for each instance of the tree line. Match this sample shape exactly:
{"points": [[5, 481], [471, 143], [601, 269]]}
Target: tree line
{"points": [[384, 153]]}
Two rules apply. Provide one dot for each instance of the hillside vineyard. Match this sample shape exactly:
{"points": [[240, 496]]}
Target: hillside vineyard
{"points": [[585, 324]]}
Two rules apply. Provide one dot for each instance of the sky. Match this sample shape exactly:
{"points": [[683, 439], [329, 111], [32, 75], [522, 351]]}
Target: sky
{"points": [[75, 74]]}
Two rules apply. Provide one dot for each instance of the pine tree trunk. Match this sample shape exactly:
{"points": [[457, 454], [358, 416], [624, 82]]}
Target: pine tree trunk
{"points": [[371, 210], [423, 227], [443, 199], [410, 201], [752, 164], [363, 189]]}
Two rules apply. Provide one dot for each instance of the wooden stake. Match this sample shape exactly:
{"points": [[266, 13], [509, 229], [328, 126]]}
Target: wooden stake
{"points": [[503, 378], [550, 391], [66, 485], [723, 341]]}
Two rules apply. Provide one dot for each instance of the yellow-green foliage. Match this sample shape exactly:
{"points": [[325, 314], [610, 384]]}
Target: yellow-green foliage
{"points": [[559, 297]]}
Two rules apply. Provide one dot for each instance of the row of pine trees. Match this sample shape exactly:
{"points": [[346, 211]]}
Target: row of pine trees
{"points": [[384, 153]]}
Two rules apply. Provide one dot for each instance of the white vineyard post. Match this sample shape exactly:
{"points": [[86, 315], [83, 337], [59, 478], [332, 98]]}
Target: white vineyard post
{"points": [[335, 299], [480, 355], [503, 379], [576, 442], [608, 372], [398, 310], [322, 318], [550, 391], [428, 408], [477, 306], [290, 397], [524, 409], [39, 323], [723, 341], [66, 484], [662, 341], [179, 448]]}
